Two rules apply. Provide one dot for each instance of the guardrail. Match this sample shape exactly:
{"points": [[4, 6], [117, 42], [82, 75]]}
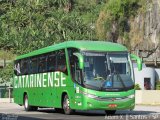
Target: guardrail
{"points": [[7, 90]]}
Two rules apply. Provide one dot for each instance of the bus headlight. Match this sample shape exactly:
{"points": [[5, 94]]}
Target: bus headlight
{"points": [[91, 96], [131, 96]]}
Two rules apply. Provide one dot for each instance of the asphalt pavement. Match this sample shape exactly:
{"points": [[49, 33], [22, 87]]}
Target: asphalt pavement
{"points": [[11, 111]]}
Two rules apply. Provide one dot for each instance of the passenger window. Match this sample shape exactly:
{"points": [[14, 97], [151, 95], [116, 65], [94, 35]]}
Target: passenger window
{"points": [[24, 66], [17, 71], [73, 60], [33, 65], [42, 64], [51, 62], [61, 61]]}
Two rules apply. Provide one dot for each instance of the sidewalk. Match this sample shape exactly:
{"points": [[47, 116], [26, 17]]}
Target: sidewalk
{"points": [[6, 100]]}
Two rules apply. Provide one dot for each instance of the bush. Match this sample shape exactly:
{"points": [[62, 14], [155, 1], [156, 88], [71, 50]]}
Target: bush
{"points": [[158, 85], [6, 95], [137, 87]]}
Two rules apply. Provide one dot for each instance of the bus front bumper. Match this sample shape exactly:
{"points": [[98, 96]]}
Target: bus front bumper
{"points": [[92, 104]]}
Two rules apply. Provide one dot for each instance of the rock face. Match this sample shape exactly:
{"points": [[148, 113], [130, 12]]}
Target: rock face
{"points": [[145, 30], [152, 22]]}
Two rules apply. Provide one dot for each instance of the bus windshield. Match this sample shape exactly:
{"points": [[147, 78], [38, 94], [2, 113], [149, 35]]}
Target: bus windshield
{"points": [[107, 71]]}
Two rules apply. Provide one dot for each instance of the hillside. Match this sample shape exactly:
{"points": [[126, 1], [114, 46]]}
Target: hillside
{"points": [[27, 25]]}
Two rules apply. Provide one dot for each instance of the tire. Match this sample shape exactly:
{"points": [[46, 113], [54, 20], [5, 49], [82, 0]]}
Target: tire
{"points": [[66, 106], [58, 110], [27, 107], [110, 112]]}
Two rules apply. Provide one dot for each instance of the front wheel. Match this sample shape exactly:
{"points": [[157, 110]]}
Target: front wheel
{"points": [[66, 105], [110, 112], [27, 107]]}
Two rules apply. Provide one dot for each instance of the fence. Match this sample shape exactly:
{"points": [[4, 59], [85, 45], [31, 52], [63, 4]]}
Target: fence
{"points": [[6, 94]]}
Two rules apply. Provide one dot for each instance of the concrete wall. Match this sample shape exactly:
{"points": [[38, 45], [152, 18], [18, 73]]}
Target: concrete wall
{"points": [[149, 97], [145, 73], [157, 74]]}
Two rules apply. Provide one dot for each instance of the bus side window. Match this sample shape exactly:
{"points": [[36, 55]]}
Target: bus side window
{"points": [[24, 66], [51, 62], [42, 64], [33, 65], [61, 61], [73, 64], [17, 71], [77, 73]]}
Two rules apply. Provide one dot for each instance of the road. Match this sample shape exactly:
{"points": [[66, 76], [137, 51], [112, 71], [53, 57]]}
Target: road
{"points": [[11, 111]]}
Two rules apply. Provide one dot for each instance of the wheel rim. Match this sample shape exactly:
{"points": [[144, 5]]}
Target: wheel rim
{"points": [[66, 104], [26, 102]]}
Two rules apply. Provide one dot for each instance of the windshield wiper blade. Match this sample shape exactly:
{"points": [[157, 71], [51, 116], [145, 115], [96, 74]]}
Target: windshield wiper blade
{"points": [[111, 77], [121, 79]]}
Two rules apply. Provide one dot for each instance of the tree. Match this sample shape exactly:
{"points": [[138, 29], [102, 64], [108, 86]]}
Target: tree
{"points": [[112, 23], [32, 24], [27, 25], [7, 73], [137, 87]]}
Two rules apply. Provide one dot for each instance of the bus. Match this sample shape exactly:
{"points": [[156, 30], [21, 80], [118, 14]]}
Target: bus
{"points": [[76, 75]]}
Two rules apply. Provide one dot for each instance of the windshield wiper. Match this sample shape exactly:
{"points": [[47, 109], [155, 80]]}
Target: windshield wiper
{"points": [[111, 78], [121, 79]]}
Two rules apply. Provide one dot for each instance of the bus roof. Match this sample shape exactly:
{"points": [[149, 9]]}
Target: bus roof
{"points": [[82, 45]]}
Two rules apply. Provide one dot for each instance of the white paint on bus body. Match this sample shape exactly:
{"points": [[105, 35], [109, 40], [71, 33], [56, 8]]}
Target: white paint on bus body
{"points": [[51, 79]]}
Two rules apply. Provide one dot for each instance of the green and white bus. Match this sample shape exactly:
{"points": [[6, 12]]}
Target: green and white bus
{"points": [[76, 75]]}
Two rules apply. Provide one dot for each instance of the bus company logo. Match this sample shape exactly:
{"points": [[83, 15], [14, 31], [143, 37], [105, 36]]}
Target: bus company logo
{"points": [[113, 99], [55, 79]]}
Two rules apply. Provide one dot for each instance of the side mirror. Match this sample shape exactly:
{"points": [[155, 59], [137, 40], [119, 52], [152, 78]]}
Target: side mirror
{"points": [[138, 60], [80, 60]]}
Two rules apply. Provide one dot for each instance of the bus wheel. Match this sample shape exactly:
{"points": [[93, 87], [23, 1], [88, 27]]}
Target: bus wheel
{"points": [[110, 112], [27, 107], [66, 105]]}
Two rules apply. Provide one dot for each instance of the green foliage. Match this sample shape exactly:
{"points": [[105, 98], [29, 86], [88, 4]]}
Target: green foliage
{"points": [[137, 87], [7, 55], [27, 25], [6, 95], [158, 85], [7, 73], [115, 18], [121, 10]]}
